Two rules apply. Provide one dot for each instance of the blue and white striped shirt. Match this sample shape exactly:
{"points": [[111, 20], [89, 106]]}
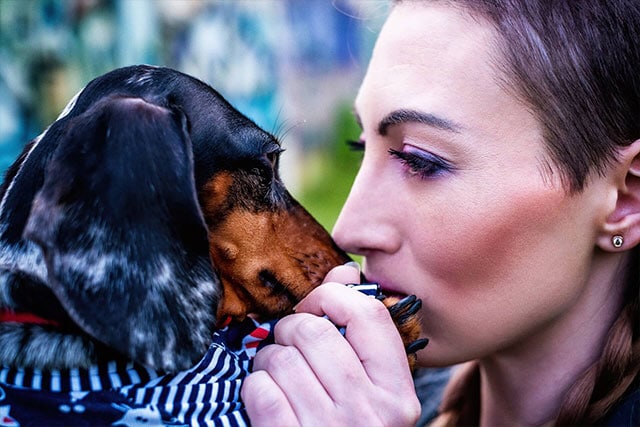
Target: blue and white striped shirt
{"points": [[125, 394]]}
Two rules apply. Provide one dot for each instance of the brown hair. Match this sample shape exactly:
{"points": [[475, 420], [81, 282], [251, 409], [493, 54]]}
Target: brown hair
{"points": [[577, 65]]}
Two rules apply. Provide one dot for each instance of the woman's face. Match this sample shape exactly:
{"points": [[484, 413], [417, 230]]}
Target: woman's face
{"points": [[456, 200]]}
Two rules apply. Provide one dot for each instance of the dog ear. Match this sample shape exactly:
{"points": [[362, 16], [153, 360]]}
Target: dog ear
{"points": [[123, 236]]}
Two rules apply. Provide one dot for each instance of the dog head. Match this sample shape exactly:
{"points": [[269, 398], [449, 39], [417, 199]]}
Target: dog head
{"points": [[122, 234], [121, 175], [268, 249]]}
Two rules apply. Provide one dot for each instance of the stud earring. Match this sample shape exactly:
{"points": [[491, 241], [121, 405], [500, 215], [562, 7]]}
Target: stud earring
{"points": [[617, 241]]}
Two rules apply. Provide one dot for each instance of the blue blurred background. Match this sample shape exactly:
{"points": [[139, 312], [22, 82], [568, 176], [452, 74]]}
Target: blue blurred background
{"points": [[293, 66]]}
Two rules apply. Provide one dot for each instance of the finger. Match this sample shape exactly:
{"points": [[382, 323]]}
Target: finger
{"points": [[288, 368], [348, 273], [265, 401], [328, 355], [369, 330]]}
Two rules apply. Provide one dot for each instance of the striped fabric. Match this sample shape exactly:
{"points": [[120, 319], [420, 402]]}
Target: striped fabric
{"points": [[125, 394]]}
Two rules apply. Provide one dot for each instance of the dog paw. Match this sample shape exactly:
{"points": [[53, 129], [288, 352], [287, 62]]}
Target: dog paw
{"points": [[405, 314]]}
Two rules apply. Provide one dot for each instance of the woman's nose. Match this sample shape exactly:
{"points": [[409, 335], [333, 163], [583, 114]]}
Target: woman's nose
{"points": [[366, 221]]}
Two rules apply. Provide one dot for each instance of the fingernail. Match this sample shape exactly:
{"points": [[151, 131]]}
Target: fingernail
{"points": [[353, 264], [417, 345]]}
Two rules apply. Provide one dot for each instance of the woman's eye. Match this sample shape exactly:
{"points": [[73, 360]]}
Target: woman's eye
{"points": [[424, 165], [355, 145]]}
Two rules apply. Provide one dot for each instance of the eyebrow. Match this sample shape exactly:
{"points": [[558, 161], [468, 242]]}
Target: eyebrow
{"points": [[413, 116]]}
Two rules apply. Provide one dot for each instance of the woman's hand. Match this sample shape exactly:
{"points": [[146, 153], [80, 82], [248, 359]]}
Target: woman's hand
{"points": [[314, 376]]}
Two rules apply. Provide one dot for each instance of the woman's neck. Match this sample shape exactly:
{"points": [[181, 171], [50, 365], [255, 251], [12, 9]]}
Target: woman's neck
{"points": [[526, 384]]}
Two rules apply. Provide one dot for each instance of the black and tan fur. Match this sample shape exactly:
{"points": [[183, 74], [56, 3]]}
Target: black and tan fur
{"points": [[149, 212]]}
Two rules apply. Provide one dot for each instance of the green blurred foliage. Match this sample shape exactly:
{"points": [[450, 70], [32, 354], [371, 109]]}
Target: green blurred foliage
{"points": [[331, 169]]}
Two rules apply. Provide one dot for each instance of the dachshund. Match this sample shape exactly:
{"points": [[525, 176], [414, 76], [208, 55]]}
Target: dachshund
{"points": [[149, 213]]}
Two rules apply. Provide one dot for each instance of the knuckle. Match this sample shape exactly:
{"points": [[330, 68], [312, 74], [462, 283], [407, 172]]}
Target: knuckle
{"points": [[256, 389], [361, 415], [386, 410], [275, 357], [263, 401], [378, 311], [281, 357], [316, 327], [410, 410]]}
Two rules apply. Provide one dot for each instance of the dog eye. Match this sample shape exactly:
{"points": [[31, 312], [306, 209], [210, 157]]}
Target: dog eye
{"points": [[273, 156]]}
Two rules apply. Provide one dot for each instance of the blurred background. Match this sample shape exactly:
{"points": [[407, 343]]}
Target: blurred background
{"points": [[292, 66]]}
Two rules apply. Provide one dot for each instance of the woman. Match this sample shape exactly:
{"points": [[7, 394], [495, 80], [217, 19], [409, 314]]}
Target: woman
{"points": [[500, 183]]}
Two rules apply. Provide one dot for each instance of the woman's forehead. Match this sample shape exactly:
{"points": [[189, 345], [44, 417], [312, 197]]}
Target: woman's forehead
{"points": [[435, 25], [429, 54]]}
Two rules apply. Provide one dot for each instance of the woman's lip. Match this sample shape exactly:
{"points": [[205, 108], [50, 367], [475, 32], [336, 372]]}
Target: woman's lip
{"points": [[386, 290], [392, 294]]}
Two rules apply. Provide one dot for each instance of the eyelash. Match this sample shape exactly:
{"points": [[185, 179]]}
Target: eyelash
{"points": [[355, 145], [423, 166]]}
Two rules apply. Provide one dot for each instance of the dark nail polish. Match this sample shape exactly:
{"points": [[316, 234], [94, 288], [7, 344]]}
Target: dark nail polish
{"points": [[417, 345]]}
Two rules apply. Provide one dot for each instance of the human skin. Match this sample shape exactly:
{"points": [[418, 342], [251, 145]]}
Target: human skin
{"points": [[314, 376], [469, 214], [485, 226]]}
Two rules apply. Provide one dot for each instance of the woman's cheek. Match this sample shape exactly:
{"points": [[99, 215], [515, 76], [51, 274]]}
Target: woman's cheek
{"points": [[484, 271]]}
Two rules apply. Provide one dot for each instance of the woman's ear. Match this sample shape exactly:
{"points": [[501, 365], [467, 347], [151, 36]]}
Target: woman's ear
{"points": [[621, 230]]}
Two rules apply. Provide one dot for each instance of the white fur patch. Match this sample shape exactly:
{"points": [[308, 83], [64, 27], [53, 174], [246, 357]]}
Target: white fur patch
{"points": [[146, 77], [29, 260]]}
